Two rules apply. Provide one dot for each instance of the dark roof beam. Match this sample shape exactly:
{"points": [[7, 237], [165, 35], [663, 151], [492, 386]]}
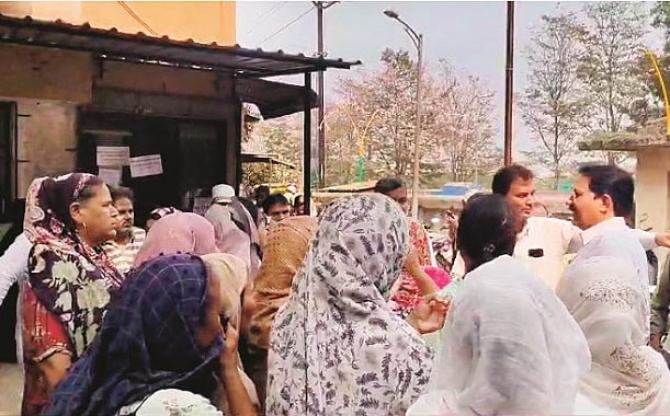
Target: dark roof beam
{"points": [[292, 71]]}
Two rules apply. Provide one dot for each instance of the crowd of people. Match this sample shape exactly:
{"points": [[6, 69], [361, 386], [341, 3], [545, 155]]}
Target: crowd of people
{"points": [[255, 308]]}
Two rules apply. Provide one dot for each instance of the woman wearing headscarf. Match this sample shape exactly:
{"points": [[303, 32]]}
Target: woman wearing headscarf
{"points": [[413, 283], [230, 237], [166, 344], [180, 232], [159, 213], [336, 346], [510, 347], [283, 256], [70, 280]]}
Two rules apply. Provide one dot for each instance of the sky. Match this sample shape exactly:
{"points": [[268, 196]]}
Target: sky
{"points": [[470, 36]]}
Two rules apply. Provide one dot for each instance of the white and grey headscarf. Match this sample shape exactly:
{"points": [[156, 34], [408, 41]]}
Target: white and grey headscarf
{"points": [[336, 346]]}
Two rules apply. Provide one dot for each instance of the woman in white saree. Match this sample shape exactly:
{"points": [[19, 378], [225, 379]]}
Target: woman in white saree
{"points": [[509, 347], [604, 295]]}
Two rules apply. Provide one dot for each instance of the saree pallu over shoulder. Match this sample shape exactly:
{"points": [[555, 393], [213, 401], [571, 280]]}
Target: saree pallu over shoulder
{"points": [[605, 297]]}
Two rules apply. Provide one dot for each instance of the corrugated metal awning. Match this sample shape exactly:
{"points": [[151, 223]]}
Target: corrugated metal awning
{"points": [[274, 99], [263, 158], [140, 48]]}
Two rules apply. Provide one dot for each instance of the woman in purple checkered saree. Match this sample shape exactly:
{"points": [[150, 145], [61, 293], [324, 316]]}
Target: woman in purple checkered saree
{"points": [[167, 344]]}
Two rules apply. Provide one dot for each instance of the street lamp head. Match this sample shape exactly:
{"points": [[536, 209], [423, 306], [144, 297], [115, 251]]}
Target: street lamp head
{"points": [[391, 14]]}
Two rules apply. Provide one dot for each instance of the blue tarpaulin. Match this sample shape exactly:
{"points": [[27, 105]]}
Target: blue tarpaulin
{"points": [[456, 189]]}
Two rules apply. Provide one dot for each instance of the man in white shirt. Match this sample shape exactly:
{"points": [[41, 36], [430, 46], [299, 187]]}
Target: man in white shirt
{"points": [[606, 289], [543, 242], [14, 269], [601, 199]]}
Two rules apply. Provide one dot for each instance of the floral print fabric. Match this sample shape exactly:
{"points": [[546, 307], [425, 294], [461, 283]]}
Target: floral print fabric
{"points": [[69, 284], [336, 347], [70, 278], [409, 295], [43, 336]]}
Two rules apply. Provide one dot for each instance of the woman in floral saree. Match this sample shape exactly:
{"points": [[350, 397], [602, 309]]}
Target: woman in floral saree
{"points": [[70, 279], [413, 284]]}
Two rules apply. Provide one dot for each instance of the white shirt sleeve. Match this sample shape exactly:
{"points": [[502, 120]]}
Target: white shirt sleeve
{"points": [[646, 238], [14, 264]]}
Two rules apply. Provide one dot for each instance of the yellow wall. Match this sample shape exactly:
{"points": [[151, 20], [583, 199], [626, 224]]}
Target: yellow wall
{"points": [[202, 21]]}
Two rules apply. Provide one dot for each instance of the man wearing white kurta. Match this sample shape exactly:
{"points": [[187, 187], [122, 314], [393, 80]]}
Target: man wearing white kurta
{"points": [[606, 289], [543, 242], [14, 269]]}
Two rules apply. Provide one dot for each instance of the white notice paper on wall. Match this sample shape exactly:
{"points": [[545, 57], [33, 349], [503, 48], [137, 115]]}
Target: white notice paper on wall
{"points": [[112, 155], [148, 165], [111, 176]]}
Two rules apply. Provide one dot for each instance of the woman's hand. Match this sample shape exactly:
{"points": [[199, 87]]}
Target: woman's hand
{"points": [[429, 315], [452, 223], [412, 264], [236, 397], [55, 369], [423, 281], [229, 354]]}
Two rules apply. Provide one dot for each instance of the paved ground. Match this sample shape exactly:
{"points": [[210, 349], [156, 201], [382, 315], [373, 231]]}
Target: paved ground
{"points": [[11, 386]]}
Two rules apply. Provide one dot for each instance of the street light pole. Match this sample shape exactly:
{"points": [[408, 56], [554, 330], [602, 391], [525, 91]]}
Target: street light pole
{"points": [[417, 39], [417, 132], [509, 84]]}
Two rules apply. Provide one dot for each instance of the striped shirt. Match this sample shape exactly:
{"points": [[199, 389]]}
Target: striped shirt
{"points": [[123, 256]]}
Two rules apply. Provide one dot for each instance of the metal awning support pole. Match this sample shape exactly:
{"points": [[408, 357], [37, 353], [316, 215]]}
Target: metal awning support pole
{"points": [[307, 145]]}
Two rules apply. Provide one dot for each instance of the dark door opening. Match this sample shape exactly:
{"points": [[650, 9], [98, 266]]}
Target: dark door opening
{"points": [[192, 156], [7, 133]]}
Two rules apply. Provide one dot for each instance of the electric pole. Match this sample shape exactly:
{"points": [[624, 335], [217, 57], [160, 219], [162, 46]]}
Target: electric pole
{"points": [[320, 7]]}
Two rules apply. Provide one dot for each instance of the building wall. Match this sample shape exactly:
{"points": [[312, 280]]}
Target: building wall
{"points": [[652, 193], [51, 85], [201, 21], [163, 80], [34, 72], [46, 139], [47, 86]]}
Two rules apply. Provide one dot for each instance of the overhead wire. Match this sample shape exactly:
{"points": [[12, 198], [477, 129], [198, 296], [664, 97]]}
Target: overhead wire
{"points": [[287, 25], [261, 18], [137, 18]]}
